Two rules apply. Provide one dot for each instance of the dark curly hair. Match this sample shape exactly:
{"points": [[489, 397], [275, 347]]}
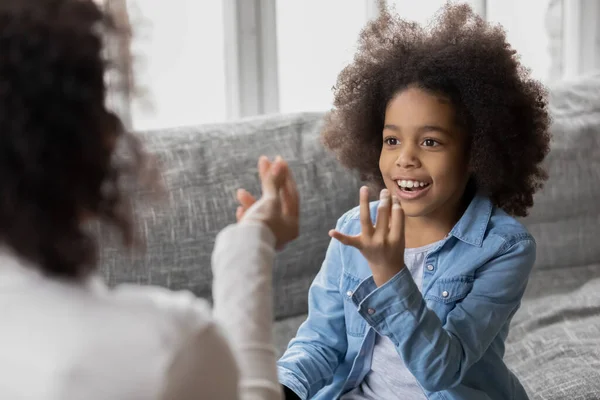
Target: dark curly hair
{"points": [[461, 56], [59, 168]]}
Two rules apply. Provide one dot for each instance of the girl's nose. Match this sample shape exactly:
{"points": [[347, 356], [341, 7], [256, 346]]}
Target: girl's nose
{"points": [[408, 157]]}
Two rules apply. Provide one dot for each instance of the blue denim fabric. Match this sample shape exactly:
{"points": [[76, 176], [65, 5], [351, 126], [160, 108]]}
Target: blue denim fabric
{"points": [[451, 337]]}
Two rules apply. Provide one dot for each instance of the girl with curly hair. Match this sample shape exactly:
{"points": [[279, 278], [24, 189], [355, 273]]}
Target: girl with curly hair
{"points": [[66, 335], [416, 293]]}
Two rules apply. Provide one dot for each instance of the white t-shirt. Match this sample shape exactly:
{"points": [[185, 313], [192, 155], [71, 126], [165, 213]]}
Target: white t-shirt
{"points": [[66, 341], [389, 379]]}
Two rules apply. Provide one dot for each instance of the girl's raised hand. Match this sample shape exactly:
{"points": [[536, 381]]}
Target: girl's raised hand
{"points": [[381, 244]]}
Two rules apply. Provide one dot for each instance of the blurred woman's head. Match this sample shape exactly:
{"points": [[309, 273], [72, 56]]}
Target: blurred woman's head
{"points": [[58, 140]]}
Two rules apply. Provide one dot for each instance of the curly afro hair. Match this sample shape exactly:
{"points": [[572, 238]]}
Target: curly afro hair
{"points": [[503, 110], [58, 141]]}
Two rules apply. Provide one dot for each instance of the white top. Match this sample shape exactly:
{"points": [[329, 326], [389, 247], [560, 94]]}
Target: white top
{"points": [[389, 378], [67, 341]]}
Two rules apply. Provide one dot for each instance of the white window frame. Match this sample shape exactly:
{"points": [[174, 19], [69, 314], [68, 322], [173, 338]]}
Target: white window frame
{"points": [[251, 36], [251, 57], [581, 35], [251, 49]]}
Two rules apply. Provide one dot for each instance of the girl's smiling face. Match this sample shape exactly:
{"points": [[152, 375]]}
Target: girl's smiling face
{"points": [[424, 159]]}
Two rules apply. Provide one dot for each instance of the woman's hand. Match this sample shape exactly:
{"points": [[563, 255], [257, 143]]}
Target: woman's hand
{"points": [[279, 206], [383, 244]]}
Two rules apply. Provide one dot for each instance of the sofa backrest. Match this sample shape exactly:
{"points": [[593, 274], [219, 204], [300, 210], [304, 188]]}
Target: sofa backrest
{"points": [[565, 219], [203, 166]]}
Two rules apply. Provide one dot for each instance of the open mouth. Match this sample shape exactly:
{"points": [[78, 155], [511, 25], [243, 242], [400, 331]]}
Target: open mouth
{"points": [[412, 186]]}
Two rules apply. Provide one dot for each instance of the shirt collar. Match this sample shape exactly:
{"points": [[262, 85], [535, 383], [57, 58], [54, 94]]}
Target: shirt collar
{"points": [[471, 227]]}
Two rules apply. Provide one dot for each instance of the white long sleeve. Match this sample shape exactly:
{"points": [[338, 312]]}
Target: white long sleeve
{"points": [[243, 305]]}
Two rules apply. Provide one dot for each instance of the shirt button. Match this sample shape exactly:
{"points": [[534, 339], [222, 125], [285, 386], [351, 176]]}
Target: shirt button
{"points": [[371, 311], [445, 294], [430, 267], [349, 293]]}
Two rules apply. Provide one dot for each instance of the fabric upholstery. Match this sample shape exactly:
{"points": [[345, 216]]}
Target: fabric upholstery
{"points": [[203, 166]]}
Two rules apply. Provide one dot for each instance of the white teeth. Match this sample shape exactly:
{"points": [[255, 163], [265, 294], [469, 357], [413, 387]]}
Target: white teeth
{"points": [[411, 184]]}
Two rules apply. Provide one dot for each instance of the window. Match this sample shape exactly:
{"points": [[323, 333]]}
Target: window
{"points": [[420, 12], [179, 63], [526, 30], [315, 40], [208, 61]]}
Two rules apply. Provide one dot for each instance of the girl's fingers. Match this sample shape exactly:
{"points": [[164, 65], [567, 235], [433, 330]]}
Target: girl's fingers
{"points": [[397, 224], [354, 241], [383, 214], [365, 214]]}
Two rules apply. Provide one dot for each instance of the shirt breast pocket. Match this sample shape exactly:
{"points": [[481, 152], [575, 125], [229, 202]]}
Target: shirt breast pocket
{"points": [[355, 324], [444, 294]]}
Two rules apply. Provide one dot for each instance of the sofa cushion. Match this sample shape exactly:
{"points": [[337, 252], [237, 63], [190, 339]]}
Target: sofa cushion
{"points": [[566, 217], [203, 167], [554, 343]]}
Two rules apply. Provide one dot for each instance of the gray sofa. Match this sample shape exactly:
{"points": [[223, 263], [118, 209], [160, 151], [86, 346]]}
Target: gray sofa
{"points": [[554, 345]]}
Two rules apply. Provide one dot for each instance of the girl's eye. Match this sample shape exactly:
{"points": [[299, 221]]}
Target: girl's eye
{"points": [[391, 141], [430, 143]]}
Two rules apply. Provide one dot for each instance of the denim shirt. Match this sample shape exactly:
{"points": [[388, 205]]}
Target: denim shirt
{"points": [[451, 337]]}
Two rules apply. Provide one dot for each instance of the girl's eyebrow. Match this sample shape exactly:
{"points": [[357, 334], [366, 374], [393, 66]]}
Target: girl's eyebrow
{"points": [[436, 128], [421, 129]]}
